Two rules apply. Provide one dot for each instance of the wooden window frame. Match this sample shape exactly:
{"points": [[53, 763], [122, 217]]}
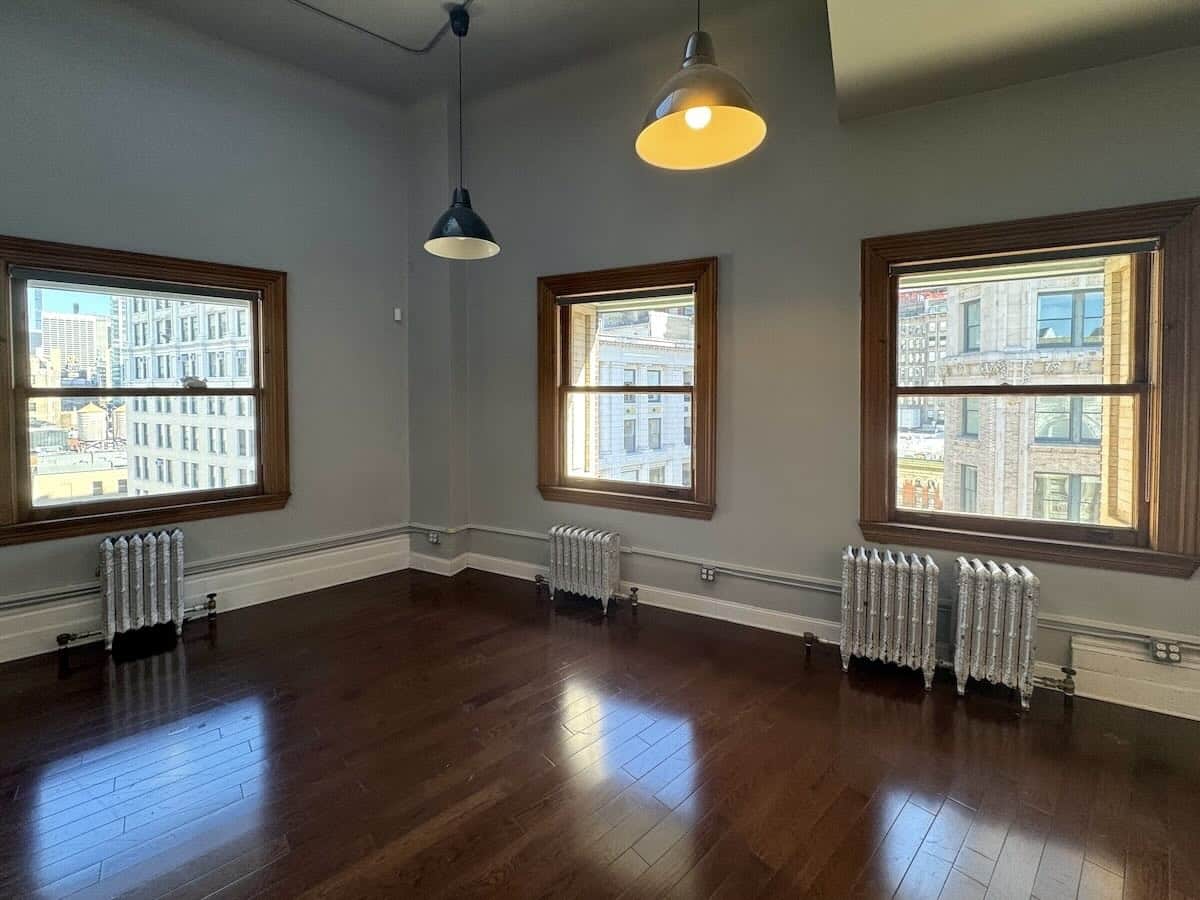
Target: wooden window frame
{"points": [[1167, 540], [697, 501], [20, 521]]}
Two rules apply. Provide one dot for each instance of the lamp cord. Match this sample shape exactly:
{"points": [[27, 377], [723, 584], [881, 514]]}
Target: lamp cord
{"points": [[460, 116], [433, 41], [697, 15]]}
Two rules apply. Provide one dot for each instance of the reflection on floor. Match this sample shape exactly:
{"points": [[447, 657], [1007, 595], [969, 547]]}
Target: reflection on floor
{"points": [[418, 736]]}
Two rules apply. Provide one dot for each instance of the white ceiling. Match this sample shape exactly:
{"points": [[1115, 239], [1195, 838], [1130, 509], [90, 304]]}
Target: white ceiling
{"points": [[892, 54]]}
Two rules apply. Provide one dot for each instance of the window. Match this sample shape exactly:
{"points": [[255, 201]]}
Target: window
{"points": [[970, 314], [970, 417], [85, 383], [654, 377], [1083, 388], [597, 330], [1068, 420], [969, 487], [1066, 498], [1070, 319]]}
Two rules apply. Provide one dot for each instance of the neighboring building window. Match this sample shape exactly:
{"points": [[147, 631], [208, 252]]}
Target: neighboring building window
{"points": [[1082, 446], [970, 417], [969, 487], [1068, 420], [971, 326], [598, 330], [1066, 498], [83, 384], [1070, 319], [654, 378]]}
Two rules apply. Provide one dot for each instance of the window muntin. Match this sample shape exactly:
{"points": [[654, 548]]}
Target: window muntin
{"points": [[625, 388], [105, 370]]}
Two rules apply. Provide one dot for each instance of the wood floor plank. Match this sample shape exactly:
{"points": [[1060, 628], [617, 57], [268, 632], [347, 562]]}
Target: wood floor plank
{"points": [[413, 735]]}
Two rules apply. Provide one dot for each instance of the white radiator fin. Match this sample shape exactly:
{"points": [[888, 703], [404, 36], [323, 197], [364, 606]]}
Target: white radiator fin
{"points": [[997, 625], [889, 608], [585, 561], [141, 582]]}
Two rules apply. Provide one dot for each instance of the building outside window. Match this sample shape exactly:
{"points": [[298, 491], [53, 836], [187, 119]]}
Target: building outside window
{"points": [[654, 378], [970, 417], [1068, 420], [1066, 498], [1070, 319], [969, 476], [971, 327], [631, 435], [654, 432]]}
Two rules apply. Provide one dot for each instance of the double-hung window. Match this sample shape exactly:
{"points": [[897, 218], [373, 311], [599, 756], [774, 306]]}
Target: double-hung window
{"points": [[599, 420], [76, 394], [1064, 424]]}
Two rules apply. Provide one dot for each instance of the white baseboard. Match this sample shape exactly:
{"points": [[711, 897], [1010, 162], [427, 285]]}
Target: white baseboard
{"points": [[695, 604], [438, 565], [1121, 670], [739, 613], [26, 632]]}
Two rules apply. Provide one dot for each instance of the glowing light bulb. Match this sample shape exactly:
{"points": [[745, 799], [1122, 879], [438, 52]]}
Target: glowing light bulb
{"points": [[697, 117]]}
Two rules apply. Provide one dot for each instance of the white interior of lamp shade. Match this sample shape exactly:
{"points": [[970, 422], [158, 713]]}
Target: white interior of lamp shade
{"points": [[462, 247]]}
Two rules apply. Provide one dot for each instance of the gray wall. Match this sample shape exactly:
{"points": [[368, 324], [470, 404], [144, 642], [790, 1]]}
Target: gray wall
{"points": [[121, 131], [554, 173]]}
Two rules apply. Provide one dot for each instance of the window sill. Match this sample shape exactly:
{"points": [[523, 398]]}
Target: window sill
{"points": [[667, 506], [1125, 559], [149, 518]]}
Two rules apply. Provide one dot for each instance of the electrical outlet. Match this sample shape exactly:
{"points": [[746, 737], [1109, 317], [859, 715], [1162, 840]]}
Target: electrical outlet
{"points": [[433, 537], [708, 573], [1165, 651]]}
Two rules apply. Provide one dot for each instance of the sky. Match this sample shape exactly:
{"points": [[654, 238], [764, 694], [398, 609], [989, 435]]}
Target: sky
{"points": [[64, 302]]}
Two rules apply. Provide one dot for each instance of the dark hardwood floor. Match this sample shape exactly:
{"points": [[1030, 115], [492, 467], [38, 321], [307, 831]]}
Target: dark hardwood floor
{"points": [[413, 735]]}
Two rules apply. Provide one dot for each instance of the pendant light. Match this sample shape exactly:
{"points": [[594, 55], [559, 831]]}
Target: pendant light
{"points": [[702, 117], [459, 232]]}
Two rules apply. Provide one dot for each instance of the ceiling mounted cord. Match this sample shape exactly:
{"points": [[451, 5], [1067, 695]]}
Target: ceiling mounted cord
{"points": [[433, 41], [460, 232]]}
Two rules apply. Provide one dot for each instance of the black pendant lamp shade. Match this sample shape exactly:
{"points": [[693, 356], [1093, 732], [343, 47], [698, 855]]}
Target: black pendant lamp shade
{"points": [[702, 117], [460, 232]]}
